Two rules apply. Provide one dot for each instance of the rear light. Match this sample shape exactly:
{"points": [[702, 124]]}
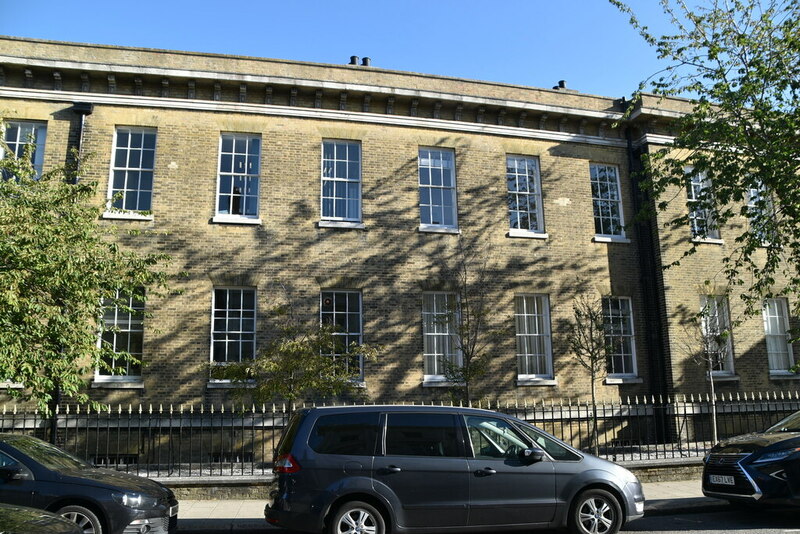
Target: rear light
{"points": [[286, 463]]}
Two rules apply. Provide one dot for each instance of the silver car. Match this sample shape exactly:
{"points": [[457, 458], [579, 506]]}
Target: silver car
{"points": [[374, 469]]}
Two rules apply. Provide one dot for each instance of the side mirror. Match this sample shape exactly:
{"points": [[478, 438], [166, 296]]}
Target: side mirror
{"points": [[531, 456], [13, 472]]}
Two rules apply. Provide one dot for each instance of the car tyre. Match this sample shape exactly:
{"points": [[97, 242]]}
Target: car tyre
{"points": [[86, 520], [595, 511], [357, 517]]}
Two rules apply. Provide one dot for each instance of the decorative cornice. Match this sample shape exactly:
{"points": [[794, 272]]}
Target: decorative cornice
{"points": [[309, 84], [301, 112], [654, 139]]}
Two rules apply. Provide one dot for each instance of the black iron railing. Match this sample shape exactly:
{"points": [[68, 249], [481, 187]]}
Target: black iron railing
{"points": [[191, 441]]}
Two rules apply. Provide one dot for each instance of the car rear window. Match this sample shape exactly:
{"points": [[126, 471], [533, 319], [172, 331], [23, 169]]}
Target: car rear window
{"points": [[287, 439], [422, 434], [351, 434]]}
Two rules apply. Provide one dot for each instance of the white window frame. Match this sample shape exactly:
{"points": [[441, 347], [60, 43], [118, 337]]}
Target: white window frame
{"points": [[349, 181], [249, 171], [333, 315], [524, 190], [715, 319], [28, 129], [776, 333], [122, 212], [135, 322], [756, 195], [534, 314], [605, 207], [697, 184], [227, 311], [428, 192], [620, 326], [439, 329]]}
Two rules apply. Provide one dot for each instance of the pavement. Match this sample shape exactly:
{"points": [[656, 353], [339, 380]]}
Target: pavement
{"points": [[213, 516]]}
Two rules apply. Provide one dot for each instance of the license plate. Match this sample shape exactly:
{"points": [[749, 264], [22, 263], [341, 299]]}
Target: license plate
{"points": [[724, 480], [173, 510]]}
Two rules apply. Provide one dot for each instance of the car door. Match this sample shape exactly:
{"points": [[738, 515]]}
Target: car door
{"points": [[20, 490], [504, 489], [423, 471]]}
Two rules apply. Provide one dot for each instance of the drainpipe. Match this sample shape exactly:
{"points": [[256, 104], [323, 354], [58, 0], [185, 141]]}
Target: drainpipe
{"points": [[650, 276], [83, 109]]}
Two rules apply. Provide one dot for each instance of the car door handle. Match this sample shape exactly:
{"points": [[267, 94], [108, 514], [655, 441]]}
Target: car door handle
{"points": [[485, 472], [391, 469]]}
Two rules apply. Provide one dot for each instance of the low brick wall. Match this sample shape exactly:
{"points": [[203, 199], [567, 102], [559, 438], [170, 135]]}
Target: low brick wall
{"points": [[667, 470], [251, 487]]}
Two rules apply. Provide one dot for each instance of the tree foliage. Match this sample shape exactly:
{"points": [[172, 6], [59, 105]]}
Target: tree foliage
{"points": [[58, 265], [303, 360], [739, 64]]}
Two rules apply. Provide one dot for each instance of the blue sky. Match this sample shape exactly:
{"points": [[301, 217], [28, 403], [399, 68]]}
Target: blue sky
{"points": [[588, 43]]}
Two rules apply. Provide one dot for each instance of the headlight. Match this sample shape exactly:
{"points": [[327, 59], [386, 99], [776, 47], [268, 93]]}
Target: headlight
{"points": [[135, 500], [775, 456]]}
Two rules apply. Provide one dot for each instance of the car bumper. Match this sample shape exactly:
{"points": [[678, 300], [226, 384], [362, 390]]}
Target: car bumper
{"points": [[775, 484], [163, 520]]}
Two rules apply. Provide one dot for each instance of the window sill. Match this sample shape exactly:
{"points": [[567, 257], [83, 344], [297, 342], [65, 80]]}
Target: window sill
{"points": [[617, 380], [526, 234], [10, 385], [235, 219], [126, 216], [228, 384], [129, 383], [433, 229], [783, 375], [345, 225], [534, 381], [610, 239], [723, 377], [707, 241], [433, 381]]}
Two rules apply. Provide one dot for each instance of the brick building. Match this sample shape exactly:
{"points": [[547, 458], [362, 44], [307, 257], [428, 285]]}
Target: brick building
{"points": [[353, 186]]}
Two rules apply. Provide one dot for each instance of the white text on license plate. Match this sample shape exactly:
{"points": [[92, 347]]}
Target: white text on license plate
{"points": [[724, 480]]}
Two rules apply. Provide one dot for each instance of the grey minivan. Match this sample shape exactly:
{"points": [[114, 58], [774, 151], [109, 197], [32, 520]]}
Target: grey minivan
{"points": [[379, 469]]}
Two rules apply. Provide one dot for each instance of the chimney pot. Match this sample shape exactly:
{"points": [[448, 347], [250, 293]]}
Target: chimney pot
{"points": [[354, 60], [366, 62]]}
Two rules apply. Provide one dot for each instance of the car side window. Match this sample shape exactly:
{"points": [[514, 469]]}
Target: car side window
{"points": [[351, 434], [552, 447], [421, 434], [6, 460], [493, 438]]}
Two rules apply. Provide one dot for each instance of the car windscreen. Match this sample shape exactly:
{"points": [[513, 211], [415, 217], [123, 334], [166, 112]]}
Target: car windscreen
{"points": [[549, 444], [790, 424], [46, 454]]}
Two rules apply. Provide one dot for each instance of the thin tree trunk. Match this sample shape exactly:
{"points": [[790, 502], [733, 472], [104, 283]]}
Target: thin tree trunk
{"points": [[594, 415]]}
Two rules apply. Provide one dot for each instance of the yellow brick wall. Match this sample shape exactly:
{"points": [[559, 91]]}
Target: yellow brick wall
{"points": [[391, 262]]}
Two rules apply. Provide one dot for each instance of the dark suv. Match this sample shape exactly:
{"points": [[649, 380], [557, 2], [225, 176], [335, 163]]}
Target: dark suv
{"points": [[761, 468], [374, 469]]}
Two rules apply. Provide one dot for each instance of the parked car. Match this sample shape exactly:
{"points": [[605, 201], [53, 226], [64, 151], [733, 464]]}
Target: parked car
{"points": [[762, 468], [20, 520], [402, 469], [37, 474]]}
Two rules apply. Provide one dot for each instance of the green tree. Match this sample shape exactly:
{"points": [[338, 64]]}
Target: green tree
{"points": [[58, 267], [303, 360], [588, 343], [737, 147]]}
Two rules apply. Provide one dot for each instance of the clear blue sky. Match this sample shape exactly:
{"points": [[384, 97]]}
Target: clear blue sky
{"points": [[588, 43]]}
